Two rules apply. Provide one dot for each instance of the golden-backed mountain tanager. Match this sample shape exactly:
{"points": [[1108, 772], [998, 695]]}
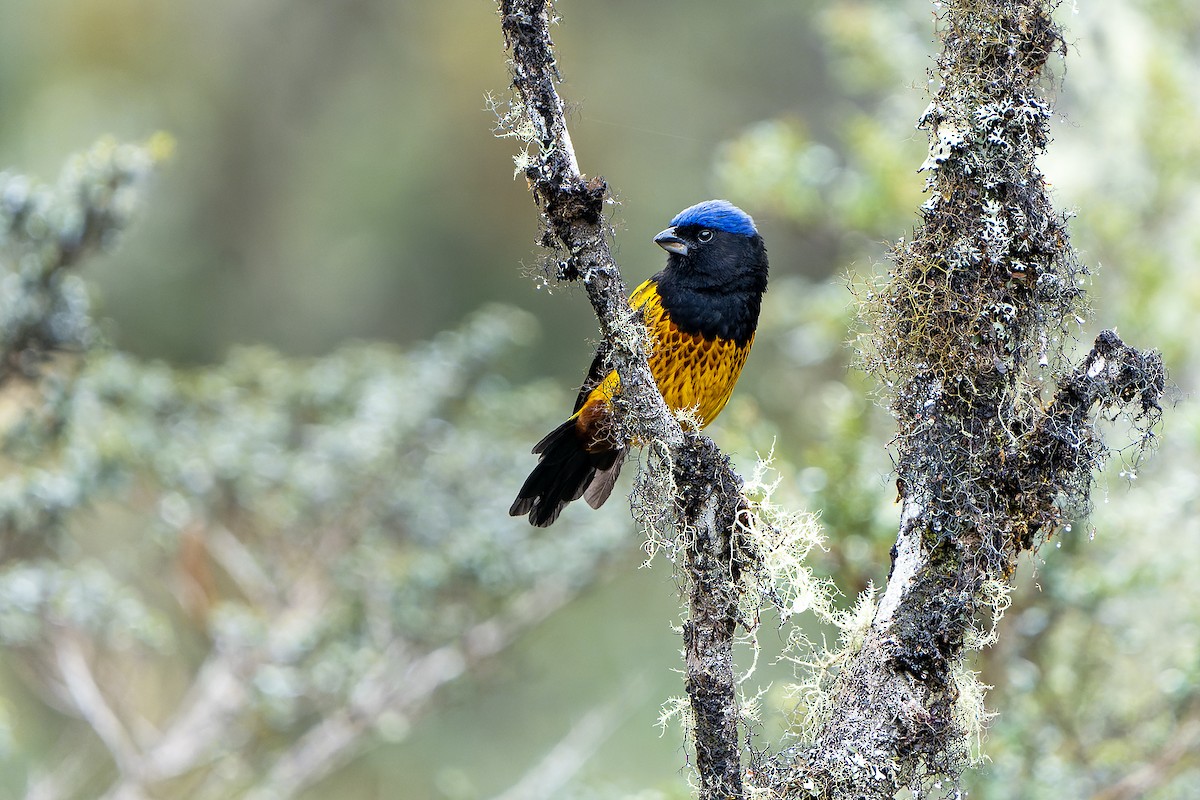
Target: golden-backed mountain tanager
{"points": [[701, 312]]}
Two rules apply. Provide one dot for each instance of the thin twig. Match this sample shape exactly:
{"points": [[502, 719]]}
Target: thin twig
{"points": [[90, 702], [1182, 746], [401, 686], [551, 775]]}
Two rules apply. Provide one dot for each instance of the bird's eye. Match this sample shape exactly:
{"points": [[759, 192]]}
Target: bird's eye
{"points": [[705, 235]]}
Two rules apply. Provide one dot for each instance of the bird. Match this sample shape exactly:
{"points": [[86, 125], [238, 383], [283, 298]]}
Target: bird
{"points": [[701, 312]]}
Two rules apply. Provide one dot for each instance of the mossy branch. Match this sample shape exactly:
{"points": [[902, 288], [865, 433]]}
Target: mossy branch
{"points": [[706, 493], [572, 209], [973, 321]]}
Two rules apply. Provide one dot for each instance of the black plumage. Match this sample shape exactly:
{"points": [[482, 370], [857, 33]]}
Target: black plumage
{"points": [[701, 311]]}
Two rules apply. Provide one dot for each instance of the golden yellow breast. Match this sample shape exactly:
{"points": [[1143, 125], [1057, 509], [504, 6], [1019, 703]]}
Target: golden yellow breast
{"points": [[692, 372]]}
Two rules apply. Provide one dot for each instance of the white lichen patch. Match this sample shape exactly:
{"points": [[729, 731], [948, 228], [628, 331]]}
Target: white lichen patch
{"points": [[780, 540]]}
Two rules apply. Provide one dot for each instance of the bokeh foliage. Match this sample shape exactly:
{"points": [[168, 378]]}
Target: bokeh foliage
{"points": [[323, 525], [287, 518]]}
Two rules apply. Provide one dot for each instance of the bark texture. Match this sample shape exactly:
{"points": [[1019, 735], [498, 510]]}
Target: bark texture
{"points": [[970, 327], [694, 489]]}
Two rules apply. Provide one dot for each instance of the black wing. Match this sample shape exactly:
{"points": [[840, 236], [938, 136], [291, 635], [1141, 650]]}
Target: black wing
{"points": [[646, 293], [596, 373]]}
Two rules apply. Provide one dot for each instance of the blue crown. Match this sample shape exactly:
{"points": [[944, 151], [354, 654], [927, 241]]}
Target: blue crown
{"points": [[719, 214]]}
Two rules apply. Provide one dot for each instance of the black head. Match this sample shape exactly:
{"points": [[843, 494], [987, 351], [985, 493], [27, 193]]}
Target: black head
{"points": [[716, 271], [714, 246]]}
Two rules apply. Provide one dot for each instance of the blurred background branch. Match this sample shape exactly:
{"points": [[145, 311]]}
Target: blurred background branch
{"points": [[310, 519]]}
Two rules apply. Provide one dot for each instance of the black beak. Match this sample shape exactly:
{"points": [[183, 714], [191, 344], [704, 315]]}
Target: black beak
{"points": [[668, 241]]}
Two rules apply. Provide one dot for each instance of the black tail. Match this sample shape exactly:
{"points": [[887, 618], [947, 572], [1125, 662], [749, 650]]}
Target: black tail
{"points": [[566, 472]]}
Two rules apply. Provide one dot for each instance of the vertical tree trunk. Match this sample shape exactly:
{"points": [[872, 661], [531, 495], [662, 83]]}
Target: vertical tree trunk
{"points": [[706, 494], [971, 325], [708, 632]]}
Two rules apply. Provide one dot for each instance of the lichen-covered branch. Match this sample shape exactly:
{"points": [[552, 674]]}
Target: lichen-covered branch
{"points": [[572, 208], [703, 494], [973, 320], [710, 497]]}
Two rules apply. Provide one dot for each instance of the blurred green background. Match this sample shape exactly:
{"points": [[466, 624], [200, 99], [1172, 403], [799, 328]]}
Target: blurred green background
{"points": [[335, 179]]}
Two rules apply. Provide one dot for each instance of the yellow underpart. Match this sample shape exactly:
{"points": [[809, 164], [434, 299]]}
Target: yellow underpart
{"points": [[692, 372]]}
